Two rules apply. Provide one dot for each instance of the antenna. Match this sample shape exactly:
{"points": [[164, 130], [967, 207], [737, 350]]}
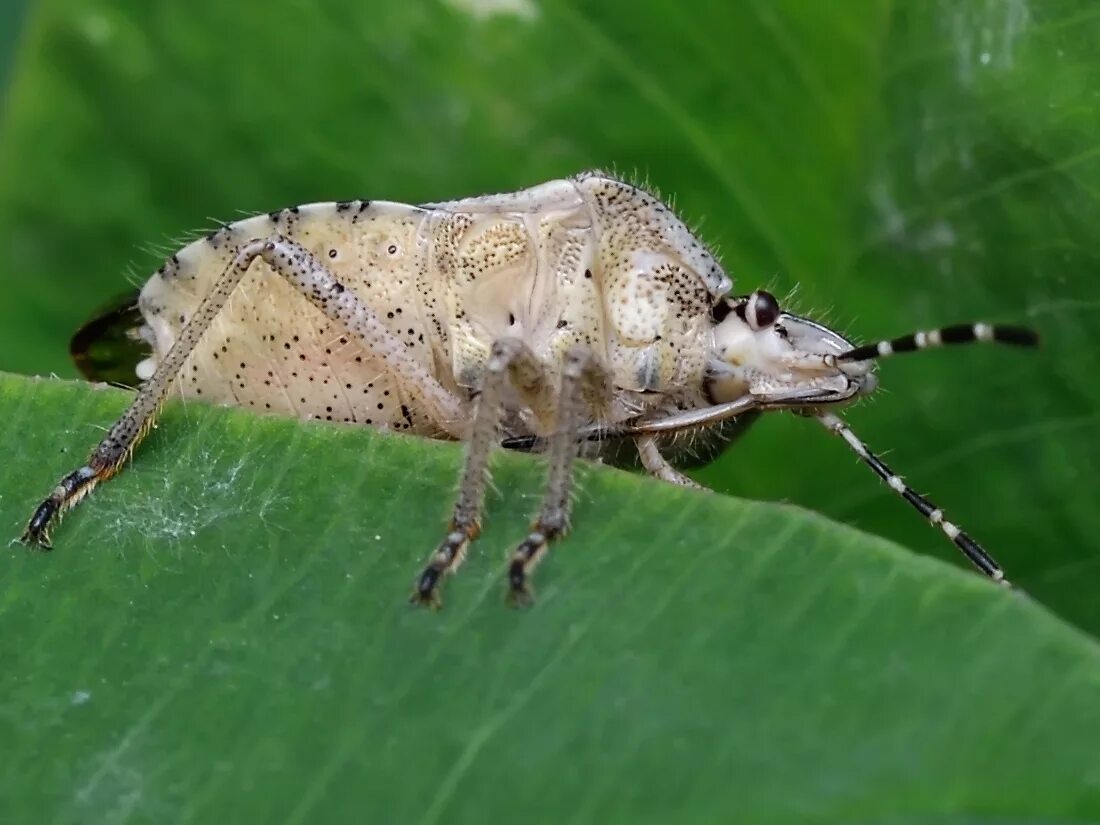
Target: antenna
{"points": [[970, 548], [945, 336]]}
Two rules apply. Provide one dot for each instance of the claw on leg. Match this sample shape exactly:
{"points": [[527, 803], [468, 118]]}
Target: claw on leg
{"points": [[445, 561], [524, 560], [37, 533], [68, 492]]}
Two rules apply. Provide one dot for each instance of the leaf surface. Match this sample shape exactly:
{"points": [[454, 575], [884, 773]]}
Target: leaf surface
{"points": [[221, 634], [903, 164]]}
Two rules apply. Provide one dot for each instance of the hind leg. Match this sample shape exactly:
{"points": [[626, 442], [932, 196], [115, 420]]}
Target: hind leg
{"points": [[294, 263]]}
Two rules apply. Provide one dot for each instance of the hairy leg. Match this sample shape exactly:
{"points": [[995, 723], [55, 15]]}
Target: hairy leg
{"points": [[584, 386], [510, 364], [657, 465], [294, 263]]}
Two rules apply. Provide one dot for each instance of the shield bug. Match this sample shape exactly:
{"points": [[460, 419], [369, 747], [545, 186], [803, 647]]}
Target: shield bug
{"points": [[579, 314]]}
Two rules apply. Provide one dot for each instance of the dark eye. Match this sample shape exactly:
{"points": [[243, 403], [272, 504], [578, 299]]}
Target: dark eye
{"points": [[762, 310]]}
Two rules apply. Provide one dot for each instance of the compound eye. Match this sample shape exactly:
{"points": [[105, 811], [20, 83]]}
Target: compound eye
{"points": [[762, 310]]}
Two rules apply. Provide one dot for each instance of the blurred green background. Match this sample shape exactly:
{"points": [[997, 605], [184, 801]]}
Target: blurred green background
{"points": [[221, 634], [898, 164]]}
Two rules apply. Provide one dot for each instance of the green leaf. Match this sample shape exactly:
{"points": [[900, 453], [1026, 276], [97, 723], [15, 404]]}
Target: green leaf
{"points": [[904, 163], [221, 635]]}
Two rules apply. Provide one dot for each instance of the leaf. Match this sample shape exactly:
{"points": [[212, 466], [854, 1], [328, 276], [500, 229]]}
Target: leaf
{"points": [[904, 163], [221, 634]]}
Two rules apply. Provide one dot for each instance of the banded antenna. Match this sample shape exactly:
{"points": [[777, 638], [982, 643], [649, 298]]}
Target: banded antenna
{"points": [[970, 548], [945, 336]]}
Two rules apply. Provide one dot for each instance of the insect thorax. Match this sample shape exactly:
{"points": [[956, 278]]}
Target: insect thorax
{"points": [[590, 260]]}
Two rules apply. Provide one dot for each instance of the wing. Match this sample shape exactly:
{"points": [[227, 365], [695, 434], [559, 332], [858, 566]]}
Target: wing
{"points": [[109, 346]]}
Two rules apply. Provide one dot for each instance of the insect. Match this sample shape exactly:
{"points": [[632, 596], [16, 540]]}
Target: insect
{"points": [[577, 315]]}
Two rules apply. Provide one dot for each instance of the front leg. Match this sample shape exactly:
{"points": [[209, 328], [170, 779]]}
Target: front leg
{"points": [[658, 466]]}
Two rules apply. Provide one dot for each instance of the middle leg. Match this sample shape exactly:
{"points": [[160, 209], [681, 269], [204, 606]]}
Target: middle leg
{"points": [[584, 386], [511, 363]]}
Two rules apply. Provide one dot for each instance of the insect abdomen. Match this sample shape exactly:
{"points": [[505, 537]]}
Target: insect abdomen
{"points": [[271, 350]]}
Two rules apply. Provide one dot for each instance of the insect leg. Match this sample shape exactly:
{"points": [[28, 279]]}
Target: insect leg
{"points": [[510, 363], [970, 548], [319, 286], [657, 465], [584, 385]]}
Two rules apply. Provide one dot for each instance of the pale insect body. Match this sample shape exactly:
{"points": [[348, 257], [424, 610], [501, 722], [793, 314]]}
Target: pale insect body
{"points": [[590, 262], [577, 310], [271, 350]]}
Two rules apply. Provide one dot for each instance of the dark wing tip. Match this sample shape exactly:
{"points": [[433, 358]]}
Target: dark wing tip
{"points": [[107, 347]]}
